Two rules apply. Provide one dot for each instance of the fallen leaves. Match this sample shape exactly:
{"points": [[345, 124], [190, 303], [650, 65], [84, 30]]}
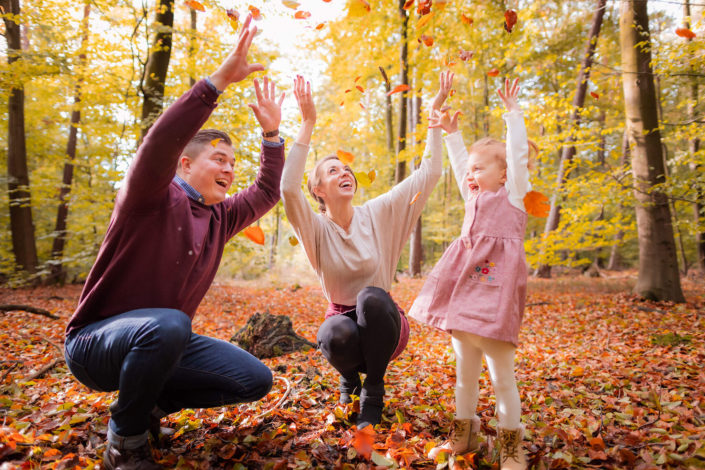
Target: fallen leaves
{"points": [[255, 234], [606, 381]]}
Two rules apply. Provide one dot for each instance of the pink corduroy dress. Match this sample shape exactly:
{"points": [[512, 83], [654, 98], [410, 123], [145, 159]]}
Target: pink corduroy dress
{"points": [[479, 284]]}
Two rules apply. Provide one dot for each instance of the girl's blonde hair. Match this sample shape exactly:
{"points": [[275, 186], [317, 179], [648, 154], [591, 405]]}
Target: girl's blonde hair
{"points": [[500, 150], [314, 178]]}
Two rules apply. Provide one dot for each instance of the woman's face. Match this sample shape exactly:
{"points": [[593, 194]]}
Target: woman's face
{"points": [[335, 181]]}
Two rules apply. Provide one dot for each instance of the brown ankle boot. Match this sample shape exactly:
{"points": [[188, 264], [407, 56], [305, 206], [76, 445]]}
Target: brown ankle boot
{"points": [[462, 439], [511, 452], [129, 459]]}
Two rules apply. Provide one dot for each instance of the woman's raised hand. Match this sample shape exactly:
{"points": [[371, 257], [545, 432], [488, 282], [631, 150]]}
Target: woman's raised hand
{"points": [[446, 83], [268, 109], [509, 97], [304, 98]]}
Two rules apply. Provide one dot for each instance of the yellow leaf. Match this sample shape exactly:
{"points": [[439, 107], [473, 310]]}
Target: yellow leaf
{"points": [[358, 8], [363, 179], [423, 21], [214, 142], [195, 5], [293, 241], [413, 199], [291, 4]]}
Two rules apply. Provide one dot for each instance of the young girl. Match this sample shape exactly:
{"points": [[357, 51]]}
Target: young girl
{"points": [[478, 288]]}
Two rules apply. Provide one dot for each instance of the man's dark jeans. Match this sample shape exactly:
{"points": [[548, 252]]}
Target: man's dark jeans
{"points": [[151, 356]]}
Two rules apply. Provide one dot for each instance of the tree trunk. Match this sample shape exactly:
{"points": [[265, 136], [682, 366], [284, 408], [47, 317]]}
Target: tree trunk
{"points": [[615, 260], [275, 238], [416, 246], [400, 173], [157, 66], [658, 263], [192, 47], [21, 225], [693, 147], [568, 151], [58, 274], [388, 112]]}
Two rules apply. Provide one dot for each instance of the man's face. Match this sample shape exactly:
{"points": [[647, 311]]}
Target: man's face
{"points": [[211, 172]]}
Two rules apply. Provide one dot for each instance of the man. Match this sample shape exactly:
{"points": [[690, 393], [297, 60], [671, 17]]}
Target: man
{"points": [[132, 329]]}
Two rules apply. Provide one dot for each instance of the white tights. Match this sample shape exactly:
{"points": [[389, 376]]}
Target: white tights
{"points": [[499, 356]]}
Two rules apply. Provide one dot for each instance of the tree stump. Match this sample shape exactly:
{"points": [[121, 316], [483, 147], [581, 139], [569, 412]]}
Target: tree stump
{"points": [[266, 335]]}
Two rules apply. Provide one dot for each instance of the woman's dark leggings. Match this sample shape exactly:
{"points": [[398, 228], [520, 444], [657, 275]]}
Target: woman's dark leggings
{"points": [[363, 340]]}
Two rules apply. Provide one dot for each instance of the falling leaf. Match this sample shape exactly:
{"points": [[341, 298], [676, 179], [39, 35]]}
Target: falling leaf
{"points": [[465, 55], [256, 15], [290, 4], [452, 92], [465, 19], [594, 95], [320, 26], [537, 204], [372, 174], [408, 4], [302, 15], [424, 20], [345, 157], [362, 105], [348, 90], [424, 7], [357, 78], [234, 15], [427, 40], [255, 234], [440, 5], [493, 72], [363, 179], [195, 5], [447, 62], [342, 103], [358, 8], [413, 199], [362, 90], [398, 89], [510, 19], [685, 33], [293, 241], [214, 142]]}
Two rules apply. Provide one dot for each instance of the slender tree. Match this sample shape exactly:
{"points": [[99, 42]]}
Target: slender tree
{"points": [[400, 172], [568, 150], [58, 274], [658, 263], [155, 71], [21, 225], [416, 245]]}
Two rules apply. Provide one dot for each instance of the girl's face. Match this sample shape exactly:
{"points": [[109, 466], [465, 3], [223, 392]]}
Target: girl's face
{"points": [[335, 181], [485, 172]]}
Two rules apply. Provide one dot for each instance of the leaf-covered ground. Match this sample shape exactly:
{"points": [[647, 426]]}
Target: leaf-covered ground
{"points": [[606, 381]]}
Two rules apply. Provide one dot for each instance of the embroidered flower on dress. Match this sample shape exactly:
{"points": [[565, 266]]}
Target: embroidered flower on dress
{"points": [[485, 271]]}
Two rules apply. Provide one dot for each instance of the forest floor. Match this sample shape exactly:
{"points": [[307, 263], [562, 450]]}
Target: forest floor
{"points": [[606, 381]]}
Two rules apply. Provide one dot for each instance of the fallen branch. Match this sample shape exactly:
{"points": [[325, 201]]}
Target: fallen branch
{"points": [[43, 370], [281, 400], [29, 309], [533, 304], [9, 369]]}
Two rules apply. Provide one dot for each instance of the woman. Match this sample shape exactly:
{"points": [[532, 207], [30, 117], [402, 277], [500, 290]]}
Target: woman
{"points": [[354, 251]]}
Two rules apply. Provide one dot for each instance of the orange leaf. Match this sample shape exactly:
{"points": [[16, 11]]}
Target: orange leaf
{"points": [[594, 95], [685, 33], [466, 19], [256, 15], [424, 7], [372, 175], [291, 4], [234, 15], [465, 55], [452, 92], [194, 5], [447, 62], [293, 241], [345, 157], [493, 72], [348, 90], [364, 440], [408, 4], [510, 19], [320, 26], [416, 196], [302, 15], [362, 105], [577, 372], [214, 142], [597, 443], [423, 21], [362, 90], [536, 204], [342, 103], [255, 234], [427, 40], [398, 88], [357, 78]]}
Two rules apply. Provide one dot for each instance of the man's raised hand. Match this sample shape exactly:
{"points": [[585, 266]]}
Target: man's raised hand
{"points": [[235, 67]]}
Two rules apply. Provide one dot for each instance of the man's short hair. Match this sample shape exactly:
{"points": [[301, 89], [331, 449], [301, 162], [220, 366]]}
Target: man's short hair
{"points": [[202, 138]]}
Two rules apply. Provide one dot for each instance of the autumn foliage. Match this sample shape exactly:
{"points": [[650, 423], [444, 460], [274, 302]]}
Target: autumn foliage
{"points": [[606, 381]]}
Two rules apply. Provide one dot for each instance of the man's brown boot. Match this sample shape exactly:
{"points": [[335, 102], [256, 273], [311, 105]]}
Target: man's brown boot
{"points": [[462, 439], [511, 452], [129, 459]]}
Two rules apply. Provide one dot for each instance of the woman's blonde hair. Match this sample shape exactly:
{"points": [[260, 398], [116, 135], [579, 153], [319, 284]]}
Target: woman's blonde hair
{"points": [[314, 178]]}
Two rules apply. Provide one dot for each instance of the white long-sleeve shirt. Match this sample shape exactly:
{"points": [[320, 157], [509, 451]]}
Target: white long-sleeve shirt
{"points": [[368, 252], [517, 183]]}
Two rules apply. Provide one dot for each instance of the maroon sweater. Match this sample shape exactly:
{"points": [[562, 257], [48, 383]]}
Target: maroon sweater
{"points": [[162, 249]]}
